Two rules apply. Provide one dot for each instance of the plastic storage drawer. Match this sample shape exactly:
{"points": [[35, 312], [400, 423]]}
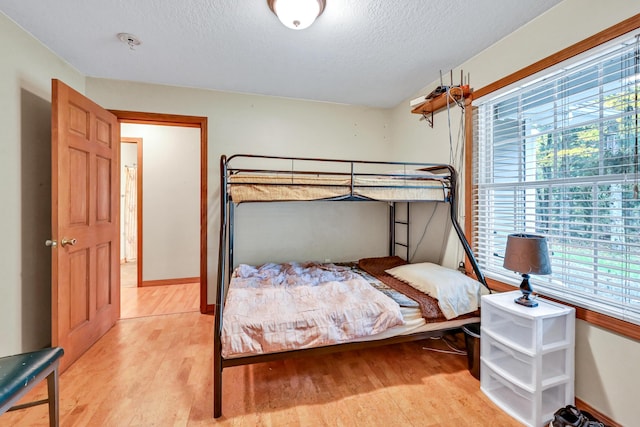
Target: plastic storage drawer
{"points": [[517, 327], [522, 367], [532, 409]]}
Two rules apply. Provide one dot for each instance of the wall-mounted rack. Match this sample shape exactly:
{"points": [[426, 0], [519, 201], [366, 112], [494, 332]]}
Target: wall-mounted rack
{"points": [[453, 94]]}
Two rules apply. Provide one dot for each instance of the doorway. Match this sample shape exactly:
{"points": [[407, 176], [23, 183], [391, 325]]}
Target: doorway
{"points": [[127, 117], [163, 250]]}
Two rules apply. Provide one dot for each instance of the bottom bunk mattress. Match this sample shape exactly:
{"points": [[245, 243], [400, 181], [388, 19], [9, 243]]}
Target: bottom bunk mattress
{"points": [[282, 307]]}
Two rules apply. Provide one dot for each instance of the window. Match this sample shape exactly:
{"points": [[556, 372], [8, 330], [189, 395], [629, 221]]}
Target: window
{"points": [[558, 156]]}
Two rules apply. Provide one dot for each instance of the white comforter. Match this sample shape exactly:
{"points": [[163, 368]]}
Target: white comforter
{"points": [[291, 306]]}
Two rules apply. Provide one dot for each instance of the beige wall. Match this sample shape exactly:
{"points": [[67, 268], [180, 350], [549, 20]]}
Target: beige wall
{"points": [[605, 375], [26, 70]]}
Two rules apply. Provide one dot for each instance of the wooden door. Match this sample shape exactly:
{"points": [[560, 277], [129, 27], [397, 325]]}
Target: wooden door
{"points": [[85, 221]]}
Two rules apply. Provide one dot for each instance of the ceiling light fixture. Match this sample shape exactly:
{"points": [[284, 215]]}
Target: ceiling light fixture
{"points": [[297, 14], [129, 39]]}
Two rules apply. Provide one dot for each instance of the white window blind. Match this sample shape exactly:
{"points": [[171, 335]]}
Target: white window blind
{"points": [[558, 156]]}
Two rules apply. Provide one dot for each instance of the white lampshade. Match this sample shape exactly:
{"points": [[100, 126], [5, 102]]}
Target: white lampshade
{"points": [[297, 14]]}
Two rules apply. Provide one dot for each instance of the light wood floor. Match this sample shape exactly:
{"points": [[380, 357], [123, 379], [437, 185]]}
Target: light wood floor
{"points": [[156, 371], [159, 300], [154, 300]]}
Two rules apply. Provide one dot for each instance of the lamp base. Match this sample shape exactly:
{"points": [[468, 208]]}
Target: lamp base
{"points": [[524, 300], [526, 290]]}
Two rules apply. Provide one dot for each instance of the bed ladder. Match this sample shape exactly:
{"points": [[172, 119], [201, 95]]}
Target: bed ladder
{"points": [[394, 223]]}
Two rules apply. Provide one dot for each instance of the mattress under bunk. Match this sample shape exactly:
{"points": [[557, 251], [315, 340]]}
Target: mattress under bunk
{"points": [[293, 306]]}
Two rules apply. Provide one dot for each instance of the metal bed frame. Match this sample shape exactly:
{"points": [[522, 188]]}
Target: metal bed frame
{"points": [[446, 175]]}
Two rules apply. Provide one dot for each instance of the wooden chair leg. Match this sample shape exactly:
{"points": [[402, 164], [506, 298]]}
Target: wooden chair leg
{"points": [[54, 402]]}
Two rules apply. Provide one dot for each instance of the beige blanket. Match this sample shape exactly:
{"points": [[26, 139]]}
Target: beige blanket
{"points": [[264, 319]]}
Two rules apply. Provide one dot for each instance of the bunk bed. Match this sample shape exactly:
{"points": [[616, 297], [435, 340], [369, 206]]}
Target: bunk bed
{"points": [[281, 179]]}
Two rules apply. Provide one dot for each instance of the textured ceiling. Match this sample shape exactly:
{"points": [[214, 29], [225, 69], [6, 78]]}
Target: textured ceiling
{"points": [[364, 52]]}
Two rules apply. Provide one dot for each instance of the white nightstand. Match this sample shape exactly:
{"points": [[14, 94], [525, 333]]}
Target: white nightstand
{"points": [[527, 356]]}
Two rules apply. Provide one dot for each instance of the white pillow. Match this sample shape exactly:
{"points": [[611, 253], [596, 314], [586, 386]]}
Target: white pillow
{"points": [[456, 293]]}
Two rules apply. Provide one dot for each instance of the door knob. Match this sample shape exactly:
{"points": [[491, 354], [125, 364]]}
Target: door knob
{"points": [[51, 243], [66, 242]]}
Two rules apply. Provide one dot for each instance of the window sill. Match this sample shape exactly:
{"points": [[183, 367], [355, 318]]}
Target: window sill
{"points": [[612, 324]]}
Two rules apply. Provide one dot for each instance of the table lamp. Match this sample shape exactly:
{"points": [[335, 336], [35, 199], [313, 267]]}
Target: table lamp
{"points": [[527, 254]]}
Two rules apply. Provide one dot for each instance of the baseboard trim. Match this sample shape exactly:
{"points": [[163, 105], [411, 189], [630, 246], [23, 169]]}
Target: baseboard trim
{"points": [[179, 281], [584, 406]]}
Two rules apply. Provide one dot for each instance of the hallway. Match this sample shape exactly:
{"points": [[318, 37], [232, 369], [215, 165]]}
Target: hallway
{"points": [[154, 300]]}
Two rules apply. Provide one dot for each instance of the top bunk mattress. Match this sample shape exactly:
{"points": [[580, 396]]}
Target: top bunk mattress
{"points": [[256, 188], [341, 180]]}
